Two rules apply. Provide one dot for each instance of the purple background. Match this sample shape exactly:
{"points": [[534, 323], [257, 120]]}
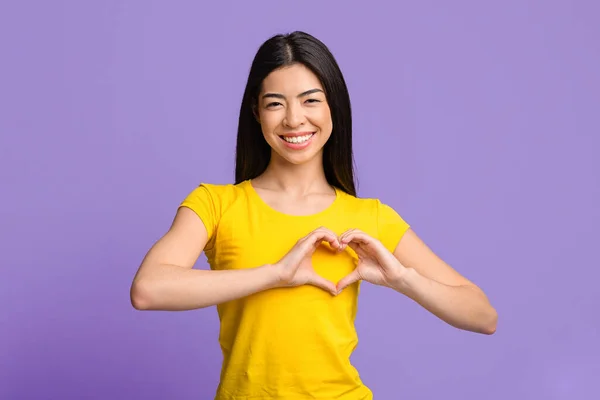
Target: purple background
{"points": [[479, 123]]}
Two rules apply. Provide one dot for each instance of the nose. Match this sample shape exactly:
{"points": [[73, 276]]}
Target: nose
{"points": [[294, 116]]}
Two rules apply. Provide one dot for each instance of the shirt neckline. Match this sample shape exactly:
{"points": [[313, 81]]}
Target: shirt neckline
{"points": [[263, 204]]}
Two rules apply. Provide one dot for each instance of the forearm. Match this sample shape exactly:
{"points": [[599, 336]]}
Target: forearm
{"points": [[463, 307], [173, 288]]}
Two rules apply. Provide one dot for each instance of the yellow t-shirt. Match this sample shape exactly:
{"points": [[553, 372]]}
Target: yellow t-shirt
{"points": [[287, 343]]}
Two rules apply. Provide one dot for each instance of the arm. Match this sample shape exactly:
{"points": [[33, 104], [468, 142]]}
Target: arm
{"points": [[440, 289], [166, 281]]}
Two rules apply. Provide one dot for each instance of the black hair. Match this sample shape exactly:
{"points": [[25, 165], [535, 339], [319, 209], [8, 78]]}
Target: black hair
{"points": [[253, 153]]}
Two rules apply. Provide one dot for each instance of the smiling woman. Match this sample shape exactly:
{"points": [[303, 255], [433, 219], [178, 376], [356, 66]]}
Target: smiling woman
{"points": [[296, 119], [296, 88], [289, 242]]}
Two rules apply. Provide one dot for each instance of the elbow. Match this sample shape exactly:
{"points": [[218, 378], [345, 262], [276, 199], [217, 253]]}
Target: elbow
{"points": [[485, 320], [491, 322], [140, 296]]}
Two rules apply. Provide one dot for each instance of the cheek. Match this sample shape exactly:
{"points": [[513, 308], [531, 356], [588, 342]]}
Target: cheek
{"points": [[269, 123], [324, 121]]}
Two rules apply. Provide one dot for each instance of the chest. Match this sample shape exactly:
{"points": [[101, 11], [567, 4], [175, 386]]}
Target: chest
{"points": [[248, 240], [296, 206]]}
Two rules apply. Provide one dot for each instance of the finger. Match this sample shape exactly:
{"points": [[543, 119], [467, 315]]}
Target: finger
{"points": [[348, 280], [323, 234], [316, 236], [322, 283], [343, 238], [357, 249], [364, 244], [307, 245], [357, 237], [348, 231]]}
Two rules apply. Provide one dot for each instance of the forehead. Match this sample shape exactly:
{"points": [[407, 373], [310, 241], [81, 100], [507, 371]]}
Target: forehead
{"points": [[291, 80]]}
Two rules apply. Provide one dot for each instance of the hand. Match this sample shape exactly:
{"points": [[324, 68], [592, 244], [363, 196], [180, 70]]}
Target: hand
{"points": [[375, 263], [296, 269]]}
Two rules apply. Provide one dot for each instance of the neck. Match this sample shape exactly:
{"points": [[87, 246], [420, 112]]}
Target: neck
{"points": [[299, 180]]}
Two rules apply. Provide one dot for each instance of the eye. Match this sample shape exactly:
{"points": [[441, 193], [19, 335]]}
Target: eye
{"points": [[273, 104], [313, 101]]}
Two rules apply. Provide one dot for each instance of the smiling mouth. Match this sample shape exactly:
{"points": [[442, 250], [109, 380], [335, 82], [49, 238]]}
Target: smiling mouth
{"points": [[297, 139]]}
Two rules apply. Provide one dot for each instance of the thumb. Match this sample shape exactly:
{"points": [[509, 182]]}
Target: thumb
{"points": [[320, 282], [348, 280]]}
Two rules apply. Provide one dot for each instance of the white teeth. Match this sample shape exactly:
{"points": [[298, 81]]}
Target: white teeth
{"points": [[297, 139]]}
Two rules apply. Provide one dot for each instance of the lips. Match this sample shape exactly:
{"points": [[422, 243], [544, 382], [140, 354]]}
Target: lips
{"points": [[296, 134], [297, 141], [297, 138]]}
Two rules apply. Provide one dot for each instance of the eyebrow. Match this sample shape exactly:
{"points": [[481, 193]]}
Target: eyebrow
{"points": [[280, 96]]}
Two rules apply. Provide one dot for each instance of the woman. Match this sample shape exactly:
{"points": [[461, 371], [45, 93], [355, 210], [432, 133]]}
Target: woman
{"points": [[289, 242]]}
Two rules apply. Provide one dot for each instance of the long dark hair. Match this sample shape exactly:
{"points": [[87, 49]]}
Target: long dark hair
{"points": [[253, 153]]}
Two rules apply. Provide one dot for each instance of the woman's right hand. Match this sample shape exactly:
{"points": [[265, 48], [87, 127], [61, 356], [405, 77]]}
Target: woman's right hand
{"points": [[295, 268]]}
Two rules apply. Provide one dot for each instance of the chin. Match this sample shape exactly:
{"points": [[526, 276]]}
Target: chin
{"points": [[298, 158]]}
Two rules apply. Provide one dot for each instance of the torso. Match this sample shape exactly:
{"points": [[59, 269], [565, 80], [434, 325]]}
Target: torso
{"points": [[289, 343]]}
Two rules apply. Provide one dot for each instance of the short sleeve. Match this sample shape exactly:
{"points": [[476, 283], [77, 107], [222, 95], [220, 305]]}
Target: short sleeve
{"points": [[201, 201], [391, 226]]}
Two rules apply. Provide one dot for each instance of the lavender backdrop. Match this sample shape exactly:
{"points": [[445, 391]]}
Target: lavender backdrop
{"points": [[477, 121]]}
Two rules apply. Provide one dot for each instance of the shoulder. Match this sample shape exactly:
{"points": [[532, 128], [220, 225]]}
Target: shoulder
{"points": [[388, 225], [371, 205], [217, 193], [214, 198], [210, 201]]}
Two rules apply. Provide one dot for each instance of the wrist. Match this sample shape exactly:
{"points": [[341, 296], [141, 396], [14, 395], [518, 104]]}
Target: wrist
{"points": [[404, 280], [271, 275]]}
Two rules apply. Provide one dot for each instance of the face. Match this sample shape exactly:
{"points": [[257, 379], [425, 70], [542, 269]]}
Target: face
{"points": [[294, 114]]}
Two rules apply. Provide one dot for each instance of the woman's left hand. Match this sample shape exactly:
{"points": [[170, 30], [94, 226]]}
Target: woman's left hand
{"points": [[376, 264]]}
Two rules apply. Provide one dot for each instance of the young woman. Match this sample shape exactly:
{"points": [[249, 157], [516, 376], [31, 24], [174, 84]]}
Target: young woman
{"points": [[289, 242]]}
